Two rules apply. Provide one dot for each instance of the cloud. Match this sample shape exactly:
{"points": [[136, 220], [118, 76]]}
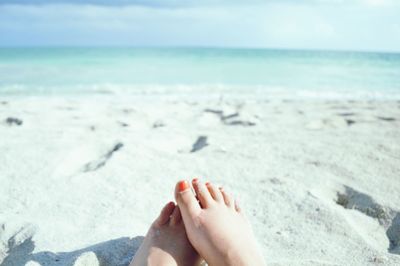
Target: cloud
{"points": [[282, 25]]}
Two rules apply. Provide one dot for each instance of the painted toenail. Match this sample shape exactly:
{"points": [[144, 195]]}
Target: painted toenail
{"points": [[208, 183], [195, 180], [183, 185]]}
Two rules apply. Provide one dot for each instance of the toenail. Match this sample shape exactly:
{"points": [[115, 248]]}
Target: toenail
{"points": [[183, 185], [208, 183], [195, 180]]}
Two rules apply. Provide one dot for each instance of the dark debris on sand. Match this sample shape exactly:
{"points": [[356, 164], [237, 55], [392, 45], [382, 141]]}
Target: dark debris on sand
{"points": [[158, 124], [11, 121], [346, 114], [230, 119], [95, 165], [350, 122], [200, 143], [123, 124], [388, 119]]}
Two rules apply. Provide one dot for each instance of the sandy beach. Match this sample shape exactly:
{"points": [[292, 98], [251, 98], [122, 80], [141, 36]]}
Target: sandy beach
{"points": [[82, 178]]}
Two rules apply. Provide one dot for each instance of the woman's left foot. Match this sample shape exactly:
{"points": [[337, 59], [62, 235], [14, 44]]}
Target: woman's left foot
{"points": [[166, 242]]}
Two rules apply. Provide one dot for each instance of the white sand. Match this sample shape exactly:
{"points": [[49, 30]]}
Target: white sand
{"points": [[83, 177]]}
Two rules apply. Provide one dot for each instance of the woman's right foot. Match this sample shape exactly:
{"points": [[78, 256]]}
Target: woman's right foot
{"points": [[215, 225]]}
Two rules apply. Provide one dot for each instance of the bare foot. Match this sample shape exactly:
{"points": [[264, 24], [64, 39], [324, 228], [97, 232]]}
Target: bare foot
{"points": [[166, 242], [216, 226]]}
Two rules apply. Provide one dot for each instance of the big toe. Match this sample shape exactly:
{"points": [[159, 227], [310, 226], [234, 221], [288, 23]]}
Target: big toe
{"points": [[187, 202]]}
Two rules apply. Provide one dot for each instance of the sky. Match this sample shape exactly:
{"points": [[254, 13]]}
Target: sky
{"points": [[368, 25]]}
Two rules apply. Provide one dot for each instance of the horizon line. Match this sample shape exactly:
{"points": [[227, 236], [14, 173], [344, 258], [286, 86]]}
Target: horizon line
{"points": [[211, 47]]}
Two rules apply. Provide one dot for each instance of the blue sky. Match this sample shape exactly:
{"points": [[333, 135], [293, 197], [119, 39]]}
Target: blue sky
{"points": [[301, 24]]}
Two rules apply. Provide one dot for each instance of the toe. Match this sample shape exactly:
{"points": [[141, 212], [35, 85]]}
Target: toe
{"points": [[202, 193], [163, 218], [187, 202], [214, 192], [227, 198], [237, 206], [175, 217]]}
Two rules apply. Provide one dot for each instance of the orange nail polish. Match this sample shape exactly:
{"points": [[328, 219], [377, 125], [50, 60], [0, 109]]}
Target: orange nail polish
{"points": [[183, 185]]}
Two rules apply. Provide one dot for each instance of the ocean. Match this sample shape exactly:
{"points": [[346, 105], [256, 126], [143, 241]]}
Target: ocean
{"points": [[31, 71]]}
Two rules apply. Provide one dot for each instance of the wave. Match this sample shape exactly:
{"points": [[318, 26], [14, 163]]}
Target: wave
{"points": [[201, 90]]}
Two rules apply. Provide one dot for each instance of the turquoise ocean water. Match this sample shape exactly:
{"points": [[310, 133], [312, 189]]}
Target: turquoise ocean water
{"points": [[140, 70]]}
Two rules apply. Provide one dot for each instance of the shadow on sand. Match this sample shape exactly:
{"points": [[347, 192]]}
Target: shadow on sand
{"points": [[116, 252]]}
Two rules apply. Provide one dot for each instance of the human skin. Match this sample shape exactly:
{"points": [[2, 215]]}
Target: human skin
{"points": [[216, 226]]}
